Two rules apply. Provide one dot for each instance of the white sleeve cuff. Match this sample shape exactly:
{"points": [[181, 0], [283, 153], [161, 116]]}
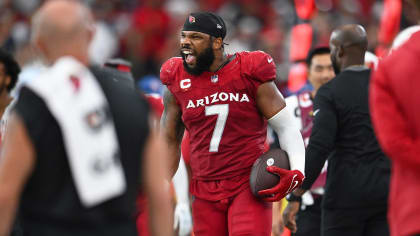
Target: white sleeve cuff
{"points": [[180, 181], [290, 139]]}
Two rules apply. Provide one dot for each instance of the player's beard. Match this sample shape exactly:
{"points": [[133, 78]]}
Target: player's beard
{"points": [[203, 62]]}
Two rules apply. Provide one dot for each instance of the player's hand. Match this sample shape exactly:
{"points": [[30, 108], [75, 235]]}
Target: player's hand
{"points": [[183, 219], [289, 181], [289, 215]]}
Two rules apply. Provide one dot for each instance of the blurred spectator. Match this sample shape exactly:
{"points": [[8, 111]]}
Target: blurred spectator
{"points": [[147, 38], [9, 70], [6, 24], [150, 84], [394, 90], [144, 32], [104, 44]]}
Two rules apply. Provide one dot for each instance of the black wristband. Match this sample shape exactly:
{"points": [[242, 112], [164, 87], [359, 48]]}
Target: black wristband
{"points": [[293, 198]]}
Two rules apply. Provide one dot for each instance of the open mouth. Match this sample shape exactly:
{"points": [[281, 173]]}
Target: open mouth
{"points": [[189, 57]]}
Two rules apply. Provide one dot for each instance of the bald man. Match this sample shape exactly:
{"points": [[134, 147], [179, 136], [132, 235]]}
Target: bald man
{"points": [[66, 187], [356, 191]]}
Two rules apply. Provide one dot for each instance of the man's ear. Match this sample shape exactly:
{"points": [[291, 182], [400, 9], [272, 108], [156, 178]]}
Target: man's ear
{"points": [[217, 43], [340, 51]]}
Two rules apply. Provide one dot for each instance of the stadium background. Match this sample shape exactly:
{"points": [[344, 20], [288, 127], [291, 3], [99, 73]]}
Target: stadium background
{"points": [[146, 32]]}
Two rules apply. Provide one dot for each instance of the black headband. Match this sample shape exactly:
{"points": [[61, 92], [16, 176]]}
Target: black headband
{"points": [[206, 22]]}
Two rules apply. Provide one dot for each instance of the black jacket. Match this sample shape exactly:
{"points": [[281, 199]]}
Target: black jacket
{"points": [[358, 171]]}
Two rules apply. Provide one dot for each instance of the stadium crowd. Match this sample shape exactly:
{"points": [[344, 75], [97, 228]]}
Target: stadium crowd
{"points": [[145, 35], [146, 32]]}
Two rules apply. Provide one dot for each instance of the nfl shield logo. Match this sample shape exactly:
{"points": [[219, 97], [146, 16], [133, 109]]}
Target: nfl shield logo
{"points": [[214, 78], [191, 19]]}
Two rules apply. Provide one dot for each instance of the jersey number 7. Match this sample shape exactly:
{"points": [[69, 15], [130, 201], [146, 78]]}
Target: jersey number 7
{"points": [[222, 111]]}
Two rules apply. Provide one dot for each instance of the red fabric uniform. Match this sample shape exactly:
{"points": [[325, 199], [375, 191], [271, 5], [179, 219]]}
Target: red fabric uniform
{"points": [[227, 134], [228, 99], [394, 103]]}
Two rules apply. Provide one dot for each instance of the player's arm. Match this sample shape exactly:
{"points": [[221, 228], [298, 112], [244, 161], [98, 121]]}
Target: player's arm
{"points": [[172, 128], [320, 145], [156, 181], [271, 104], [16, 164]]}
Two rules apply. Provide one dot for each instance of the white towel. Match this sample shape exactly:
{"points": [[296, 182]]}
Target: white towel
{"points": [[78, 103]]}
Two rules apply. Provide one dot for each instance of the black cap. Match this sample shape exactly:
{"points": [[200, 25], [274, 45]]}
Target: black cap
{"points": [[206, 22]]}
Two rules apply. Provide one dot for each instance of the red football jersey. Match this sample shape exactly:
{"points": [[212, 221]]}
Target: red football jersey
{"points": [[219, 110]]}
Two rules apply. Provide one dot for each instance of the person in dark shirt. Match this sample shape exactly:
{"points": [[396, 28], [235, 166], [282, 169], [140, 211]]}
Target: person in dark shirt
{"points": [[9, 70], [356, 191], [37, 172]]}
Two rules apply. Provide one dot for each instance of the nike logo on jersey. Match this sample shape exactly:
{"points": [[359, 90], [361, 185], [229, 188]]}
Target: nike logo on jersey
{"points": [[315, 112], [270, 60], [218, 97]]}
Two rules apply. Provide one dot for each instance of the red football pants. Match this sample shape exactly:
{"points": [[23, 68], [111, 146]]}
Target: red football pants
{"points": [[242, 214]]}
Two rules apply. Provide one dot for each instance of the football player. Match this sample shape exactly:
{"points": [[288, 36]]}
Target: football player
{"points": [[225, 102]]}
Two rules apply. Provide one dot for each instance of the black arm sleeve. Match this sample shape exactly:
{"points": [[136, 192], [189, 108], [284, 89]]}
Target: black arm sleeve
{"points": [[322, 137]]}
